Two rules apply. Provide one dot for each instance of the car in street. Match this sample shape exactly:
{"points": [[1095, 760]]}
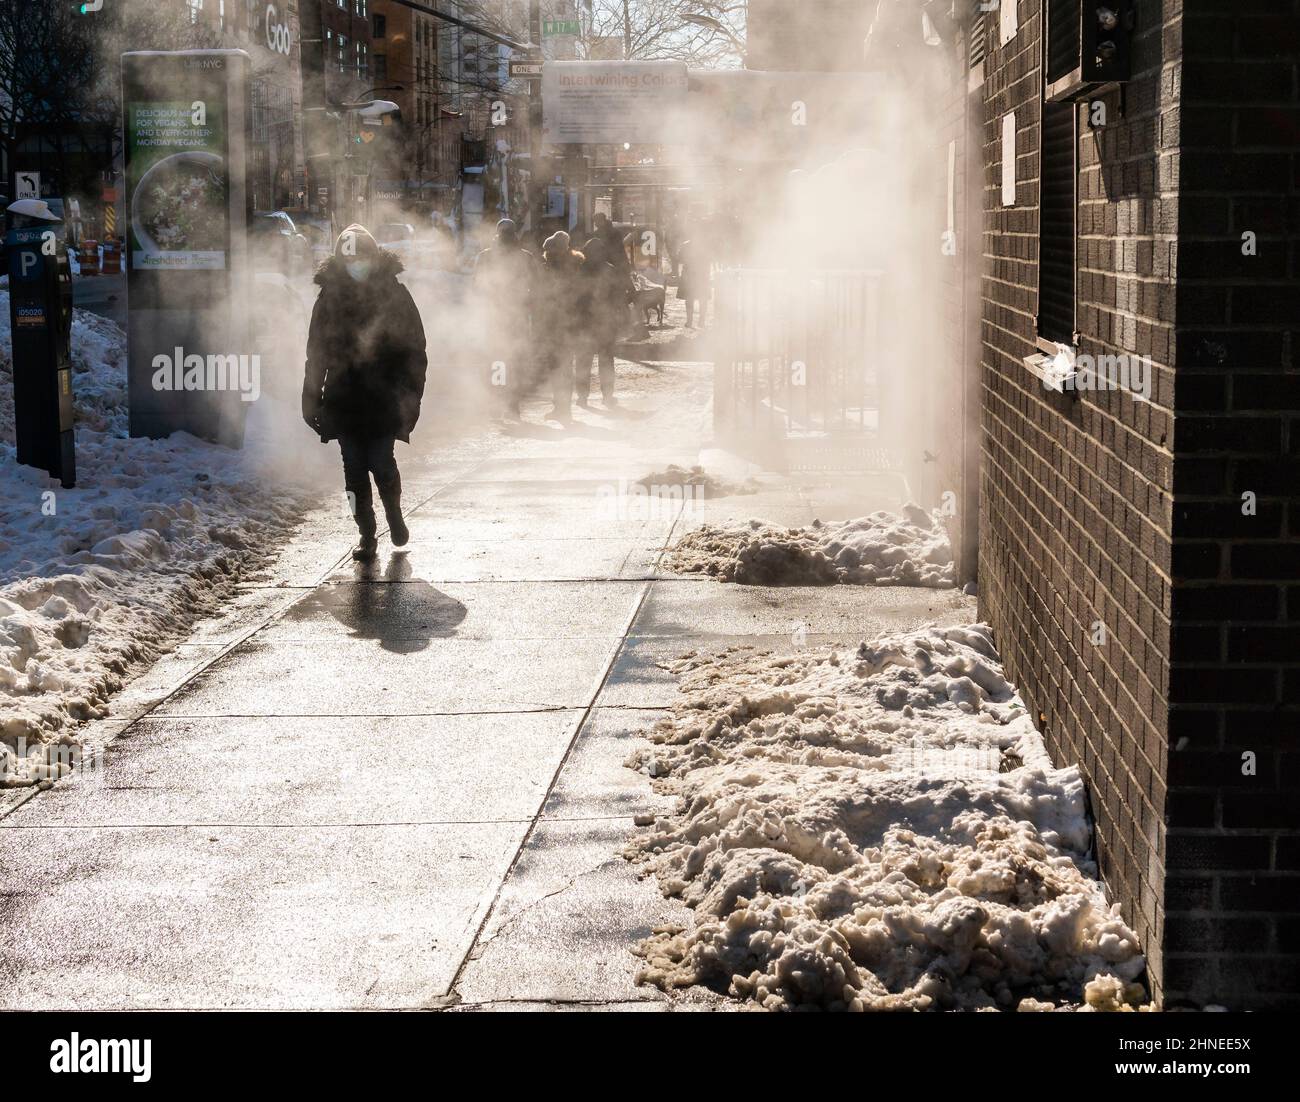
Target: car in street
{"points": [[397, 238], [320, 236], [275, 245]]}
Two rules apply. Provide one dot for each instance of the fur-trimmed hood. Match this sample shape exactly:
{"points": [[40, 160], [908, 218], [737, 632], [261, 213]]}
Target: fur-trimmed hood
{"points": [[358, 243]]}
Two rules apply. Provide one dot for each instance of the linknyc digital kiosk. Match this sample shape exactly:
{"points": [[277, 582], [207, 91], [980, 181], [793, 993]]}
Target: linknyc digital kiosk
{"points": [[186, 114], [40, 316]]}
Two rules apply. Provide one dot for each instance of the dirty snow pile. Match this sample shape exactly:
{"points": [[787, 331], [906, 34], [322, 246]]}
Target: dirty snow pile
{"points": [[700, 482], [97, 580], [875, 830], [881, 549]]}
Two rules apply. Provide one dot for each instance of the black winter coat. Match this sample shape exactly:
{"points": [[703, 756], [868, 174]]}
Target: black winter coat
{"points": [[366, 359], [604, 292], [559, 288]]}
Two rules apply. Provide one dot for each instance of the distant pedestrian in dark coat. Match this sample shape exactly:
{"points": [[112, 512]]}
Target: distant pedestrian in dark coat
{"points": [[615, 241], [602, 307], [366, 365], [558, 322], [696, 285], [505, 282]]}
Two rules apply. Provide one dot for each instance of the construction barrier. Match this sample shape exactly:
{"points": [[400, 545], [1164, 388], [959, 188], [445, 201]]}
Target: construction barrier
{"points": [[112, 258], [89, 258]]}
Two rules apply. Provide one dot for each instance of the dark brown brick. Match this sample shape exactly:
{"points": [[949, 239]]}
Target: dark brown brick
{"points": [[1131, 513]]}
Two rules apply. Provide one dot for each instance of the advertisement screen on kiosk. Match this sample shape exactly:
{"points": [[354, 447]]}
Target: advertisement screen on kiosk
{"points": [[179, 183]]}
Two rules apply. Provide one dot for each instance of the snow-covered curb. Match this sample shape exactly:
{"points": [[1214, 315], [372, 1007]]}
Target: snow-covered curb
{"points": [[880, 549], [875, 830], [99, 580]]}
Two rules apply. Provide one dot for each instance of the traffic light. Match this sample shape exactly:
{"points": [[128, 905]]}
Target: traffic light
{"points": [[1107, 31]]}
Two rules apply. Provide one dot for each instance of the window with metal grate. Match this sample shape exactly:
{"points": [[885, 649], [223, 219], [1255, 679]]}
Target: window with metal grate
{"points": [[1062, 38], [977, 37], [1056, 225]]}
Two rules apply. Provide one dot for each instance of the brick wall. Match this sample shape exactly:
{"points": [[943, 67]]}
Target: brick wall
{"points": [[951, 477], [1076, 493], [1233, 847], [1106, 512]]}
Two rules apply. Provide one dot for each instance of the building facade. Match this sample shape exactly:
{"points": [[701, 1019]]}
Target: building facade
{"points": [[336, 70], [1134, 248], [271, 34], [405, 65]]}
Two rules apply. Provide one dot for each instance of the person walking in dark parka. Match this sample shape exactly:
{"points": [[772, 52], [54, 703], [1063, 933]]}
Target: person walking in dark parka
{"points": [[366, 365], [604, 293], [505, 280], [558, 324]]}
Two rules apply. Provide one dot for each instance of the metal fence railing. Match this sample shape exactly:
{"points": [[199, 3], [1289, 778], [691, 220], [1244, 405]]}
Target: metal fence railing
{"points": [[798, 356]]}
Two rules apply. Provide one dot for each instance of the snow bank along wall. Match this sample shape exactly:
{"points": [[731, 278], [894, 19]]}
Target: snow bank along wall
{"points": [[1146, 608]]}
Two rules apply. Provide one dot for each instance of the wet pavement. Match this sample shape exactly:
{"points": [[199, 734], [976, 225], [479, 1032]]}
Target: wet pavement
{"points": [[403, 787]]}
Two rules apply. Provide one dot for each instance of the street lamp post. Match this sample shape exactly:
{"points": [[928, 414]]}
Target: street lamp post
{"points": [[536, 191], [716, 25], [364, 100]]}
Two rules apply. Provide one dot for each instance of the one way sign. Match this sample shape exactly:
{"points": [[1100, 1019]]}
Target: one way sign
{"points": [[28, 185]]}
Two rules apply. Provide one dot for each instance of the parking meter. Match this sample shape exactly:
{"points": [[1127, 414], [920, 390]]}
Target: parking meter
{"points": [[40, 318]]}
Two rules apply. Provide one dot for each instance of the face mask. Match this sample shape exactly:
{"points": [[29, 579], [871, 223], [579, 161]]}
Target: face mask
{"points": [[359, 269]]}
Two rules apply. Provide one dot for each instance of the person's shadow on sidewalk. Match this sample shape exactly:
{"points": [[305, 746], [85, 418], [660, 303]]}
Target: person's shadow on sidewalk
{"points": [[400, 614]]}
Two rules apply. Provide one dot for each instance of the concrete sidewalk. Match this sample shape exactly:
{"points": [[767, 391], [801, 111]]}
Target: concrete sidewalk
{"points": [[403, 788]]}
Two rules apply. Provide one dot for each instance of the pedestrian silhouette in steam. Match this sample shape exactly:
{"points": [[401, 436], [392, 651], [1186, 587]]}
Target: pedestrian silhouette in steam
{"points": [[615, 241], [604, 291], [696, 281], [505, 279], [559, 326], [366, 365]]}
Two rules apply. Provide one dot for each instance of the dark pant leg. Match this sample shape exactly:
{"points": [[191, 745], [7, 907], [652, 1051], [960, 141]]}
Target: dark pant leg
{"points": [[605, 354], [507, 371], [356, 480], [383, 465], [519, 370], [582, 371], [561, 366]]}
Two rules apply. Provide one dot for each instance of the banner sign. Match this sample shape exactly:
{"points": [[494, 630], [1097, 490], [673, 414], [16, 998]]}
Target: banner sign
{"points": [[602, 102]]}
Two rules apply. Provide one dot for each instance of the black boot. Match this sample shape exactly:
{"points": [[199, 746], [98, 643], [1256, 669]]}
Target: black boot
{"points": [[397, 530], [367, 550], [391, 496]]}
